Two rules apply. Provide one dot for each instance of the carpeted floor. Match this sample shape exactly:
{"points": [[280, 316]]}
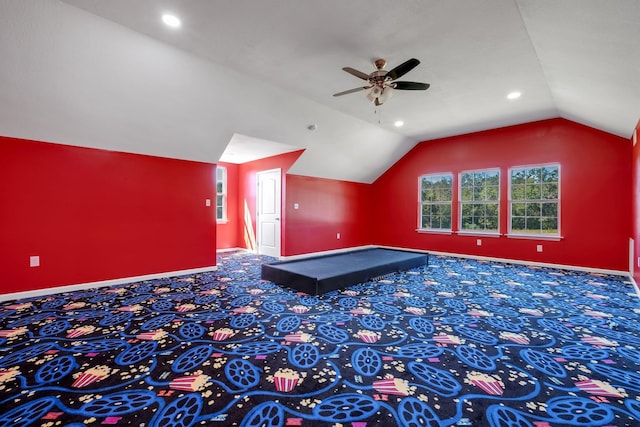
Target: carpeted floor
{"points": [[458, 342]]}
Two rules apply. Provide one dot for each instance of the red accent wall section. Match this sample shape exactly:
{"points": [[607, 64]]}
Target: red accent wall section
{"points": [[247, 185], [94, 215], [635, 200], [595, 169], [326, 207], [227, 231]]}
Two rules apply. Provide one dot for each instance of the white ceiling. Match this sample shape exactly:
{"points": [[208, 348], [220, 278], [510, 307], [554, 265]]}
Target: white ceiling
{"points": [[268, 69]]}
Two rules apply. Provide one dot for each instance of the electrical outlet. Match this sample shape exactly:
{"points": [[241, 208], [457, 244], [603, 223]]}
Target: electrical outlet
{"points": [[539, 248], [34, 261], [479, 242], [207, 202], [338, 236], [296, 206]]}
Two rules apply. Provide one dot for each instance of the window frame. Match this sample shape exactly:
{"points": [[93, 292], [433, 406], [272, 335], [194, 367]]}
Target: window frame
{"points": [[221, 195], [497, 202], [532, 235], [421, 204]]}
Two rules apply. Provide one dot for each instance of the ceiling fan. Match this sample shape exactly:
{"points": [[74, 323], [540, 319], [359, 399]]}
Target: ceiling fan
{"points": [[381, 83]]}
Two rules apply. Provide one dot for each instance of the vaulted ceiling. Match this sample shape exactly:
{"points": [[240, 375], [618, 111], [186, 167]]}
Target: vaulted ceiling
{"points": [[109, 74]]}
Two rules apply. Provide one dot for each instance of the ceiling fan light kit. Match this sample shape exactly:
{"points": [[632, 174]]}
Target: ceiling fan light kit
{"points": [[381, 83]]}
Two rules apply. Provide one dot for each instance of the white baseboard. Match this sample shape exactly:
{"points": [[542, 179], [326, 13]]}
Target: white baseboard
{"points": [[220, 251], [519, 262], [99, 284], [331, 252]]}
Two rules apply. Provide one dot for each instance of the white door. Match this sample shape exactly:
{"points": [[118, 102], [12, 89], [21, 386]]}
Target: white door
{"points": [[268, 212]]}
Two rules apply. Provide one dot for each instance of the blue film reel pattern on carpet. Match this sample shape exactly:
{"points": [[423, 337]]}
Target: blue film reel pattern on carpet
{"points": [[458, 342]]}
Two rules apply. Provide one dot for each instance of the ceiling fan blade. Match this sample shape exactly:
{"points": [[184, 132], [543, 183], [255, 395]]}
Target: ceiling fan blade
{"points": [[410, 85], [358, 89], [356, 73], [403, 68]]}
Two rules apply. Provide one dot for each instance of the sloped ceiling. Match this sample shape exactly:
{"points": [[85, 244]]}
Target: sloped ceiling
{"points": [[109, 74]]}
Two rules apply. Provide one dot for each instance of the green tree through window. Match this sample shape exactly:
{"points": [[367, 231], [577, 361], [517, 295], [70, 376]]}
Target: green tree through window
{"points": [[435, 196], [480, 200], [534, 200]]}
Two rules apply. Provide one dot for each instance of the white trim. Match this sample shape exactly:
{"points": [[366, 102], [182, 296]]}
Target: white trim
{"points": [[331, 252], [631, 256], [635, 286], [434, 230], [233, 250], [532, 236], [519, 262], [102, 283], [477, 233]]}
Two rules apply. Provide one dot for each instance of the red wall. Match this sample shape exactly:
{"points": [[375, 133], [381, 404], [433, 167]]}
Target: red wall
{"points": [[94, 215], [635, 197], [247, 179], [595, 170], [326, 207], [227, 231]]}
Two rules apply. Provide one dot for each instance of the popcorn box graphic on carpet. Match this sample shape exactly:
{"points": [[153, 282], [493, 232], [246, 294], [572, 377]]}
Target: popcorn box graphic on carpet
{"points": [[286, 379], [299, 309], [90, 376], [78, 332], [447, 339], [393, 386], [152, 335], [487, 383], [369, 337], [189, 383], [300, 337], [222, 334], [599, 388]]}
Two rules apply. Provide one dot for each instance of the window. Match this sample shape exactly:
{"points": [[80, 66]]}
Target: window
{"points": [[221, 193], [480, 201], [534, 200], [435, 202]]}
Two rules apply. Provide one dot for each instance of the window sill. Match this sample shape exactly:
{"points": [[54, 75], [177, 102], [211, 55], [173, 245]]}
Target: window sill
{"points": [[534, 237], [430, 231], [477, 233], [222, 221]]}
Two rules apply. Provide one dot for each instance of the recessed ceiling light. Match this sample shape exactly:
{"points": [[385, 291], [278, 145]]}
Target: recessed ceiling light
{"points": [[514, 95], [398, 123], [171, 20]]}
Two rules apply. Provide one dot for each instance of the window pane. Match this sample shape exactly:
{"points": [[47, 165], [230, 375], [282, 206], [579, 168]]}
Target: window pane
{"points": [[478, 179], [533, 176], [466, 180], [492, 223], [466, 194], [550, 209], [478, 194], [533, 224], [493, 178], [492, 209], [517, 192], [550, 174], [533, 192], [518, 209], [445, 210], [549, 191], [549, 225], [219, 212], [517, 224], [446, 222], [492, 193], [219, 187], [517, 176], [533, 209]]}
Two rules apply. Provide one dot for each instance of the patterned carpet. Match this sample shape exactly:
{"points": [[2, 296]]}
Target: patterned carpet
{"points": [[456, 343]]}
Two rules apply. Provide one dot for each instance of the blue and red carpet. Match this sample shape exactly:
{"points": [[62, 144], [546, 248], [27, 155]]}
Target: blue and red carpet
{"points": [[455, 343]]}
